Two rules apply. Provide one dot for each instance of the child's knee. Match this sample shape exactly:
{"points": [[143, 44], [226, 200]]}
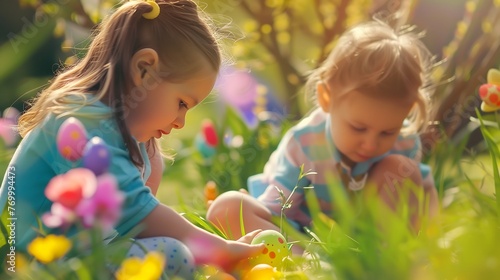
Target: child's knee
{"points": [[394, 170], [225, 204], [232, 205]]}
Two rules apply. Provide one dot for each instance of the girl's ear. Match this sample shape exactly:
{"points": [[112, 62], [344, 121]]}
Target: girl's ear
{"points": [[142, 62], [323, 95]]}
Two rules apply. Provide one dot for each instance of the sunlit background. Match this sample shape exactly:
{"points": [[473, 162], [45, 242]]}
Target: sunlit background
{"points": [[270, 47]]}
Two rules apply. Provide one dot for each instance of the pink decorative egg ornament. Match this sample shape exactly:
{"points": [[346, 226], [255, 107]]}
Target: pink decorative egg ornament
{"points": [[490, 92], [71, 139]]}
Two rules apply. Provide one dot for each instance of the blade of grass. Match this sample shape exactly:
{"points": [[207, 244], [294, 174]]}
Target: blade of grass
{"points": [[242, 224], [494, 154]]}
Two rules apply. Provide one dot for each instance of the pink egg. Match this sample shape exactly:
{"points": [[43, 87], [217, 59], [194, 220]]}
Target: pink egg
{"points": [[275, 251], [71, 139], [96, 156]]}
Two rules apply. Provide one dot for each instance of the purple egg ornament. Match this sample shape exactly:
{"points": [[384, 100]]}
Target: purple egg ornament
{"points": [[71, 139], [96, 156]]}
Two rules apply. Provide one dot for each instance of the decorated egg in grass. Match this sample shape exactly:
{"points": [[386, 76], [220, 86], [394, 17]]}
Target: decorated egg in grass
{"points": [[262, 272], [276, 249], [205, 149], [71, 139], [96, 156], [490, 92]]}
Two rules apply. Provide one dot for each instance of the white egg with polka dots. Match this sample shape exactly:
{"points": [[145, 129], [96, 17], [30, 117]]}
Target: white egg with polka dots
{"points": [[179, 259]]}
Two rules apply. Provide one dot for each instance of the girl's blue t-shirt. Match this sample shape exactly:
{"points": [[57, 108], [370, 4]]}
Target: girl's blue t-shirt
{"points": [[37, 160]]}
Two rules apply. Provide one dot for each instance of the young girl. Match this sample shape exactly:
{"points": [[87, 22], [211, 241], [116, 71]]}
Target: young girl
{"points": [[149, 63], [370, 92]]}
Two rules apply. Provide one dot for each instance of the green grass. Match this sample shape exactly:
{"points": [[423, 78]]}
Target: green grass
{"points": [[363, 239], [463, 242]]}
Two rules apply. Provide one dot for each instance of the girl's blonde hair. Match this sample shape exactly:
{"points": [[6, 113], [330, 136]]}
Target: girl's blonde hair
{"points": [[180, 35], [373, 58]]}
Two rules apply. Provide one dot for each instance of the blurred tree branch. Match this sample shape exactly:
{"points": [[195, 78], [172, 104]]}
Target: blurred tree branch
{"points": [[295, 36], [468, 57]]}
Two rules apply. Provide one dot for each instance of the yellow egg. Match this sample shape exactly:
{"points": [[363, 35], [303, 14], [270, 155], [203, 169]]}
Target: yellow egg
{"points": [[276, 249], [261, 272]]}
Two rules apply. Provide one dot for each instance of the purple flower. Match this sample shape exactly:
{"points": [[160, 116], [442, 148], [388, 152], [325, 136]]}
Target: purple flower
{"points": [[104, 207]]}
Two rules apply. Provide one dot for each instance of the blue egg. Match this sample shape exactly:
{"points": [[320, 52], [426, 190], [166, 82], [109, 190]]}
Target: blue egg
{"points": [[96, 156]]}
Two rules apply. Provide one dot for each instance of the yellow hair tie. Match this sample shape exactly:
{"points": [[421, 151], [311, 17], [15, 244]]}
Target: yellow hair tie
{"points": [[154, 12]]}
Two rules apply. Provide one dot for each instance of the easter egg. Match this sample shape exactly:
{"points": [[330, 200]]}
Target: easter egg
{"points": [[490, 95], [209, 133], [206, 150], [71, 139], [261, 272], [275, 250], [180, 260], [96, 156]]}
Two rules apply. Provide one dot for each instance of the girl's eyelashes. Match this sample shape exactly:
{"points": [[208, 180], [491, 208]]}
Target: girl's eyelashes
{"points": [[363, 129], [357, 128], [388, 133], [183, 104]]}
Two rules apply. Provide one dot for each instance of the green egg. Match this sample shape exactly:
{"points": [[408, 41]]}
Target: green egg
{"points": [[275, 251]]}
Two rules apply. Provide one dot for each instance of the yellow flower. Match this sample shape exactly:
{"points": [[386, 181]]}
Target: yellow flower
{"points": [[49, 248], [150, 268], [22, 262]]}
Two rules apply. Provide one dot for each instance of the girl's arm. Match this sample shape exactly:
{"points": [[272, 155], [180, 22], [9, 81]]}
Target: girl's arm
{"points": [[207, 248], [157, 168]]}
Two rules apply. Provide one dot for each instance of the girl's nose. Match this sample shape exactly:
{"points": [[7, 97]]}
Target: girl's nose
{"points": [[179, 121]]}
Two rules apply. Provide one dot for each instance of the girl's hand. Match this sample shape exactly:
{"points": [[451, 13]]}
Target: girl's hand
{"points": [[227, 254], [240, 250], [247, 238]]}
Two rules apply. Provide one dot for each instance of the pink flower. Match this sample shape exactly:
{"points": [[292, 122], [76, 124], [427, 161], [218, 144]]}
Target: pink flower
{"points": [[8, 124], [237, 87], [59, 216], [8, 132], [70, 188], [104, 207]]}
